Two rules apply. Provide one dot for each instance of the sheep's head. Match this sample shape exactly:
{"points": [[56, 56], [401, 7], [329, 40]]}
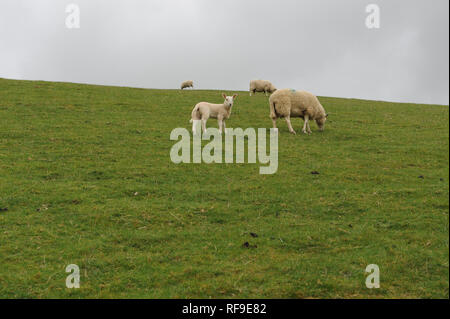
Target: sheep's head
{"points": [[272, 88], [321, 122], [229, 100]]}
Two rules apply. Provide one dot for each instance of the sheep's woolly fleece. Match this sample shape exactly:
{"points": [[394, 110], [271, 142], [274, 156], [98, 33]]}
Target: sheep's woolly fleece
{"points": [[187, 84], [289, 102], [262, 86]]}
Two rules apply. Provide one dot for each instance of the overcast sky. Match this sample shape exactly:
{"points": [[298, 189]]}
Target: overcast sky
{"points": [[322, 46]]}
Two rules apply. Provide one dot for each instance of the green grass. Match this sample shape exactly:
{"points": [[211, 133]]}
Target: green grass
{"points": [[86, 178]]}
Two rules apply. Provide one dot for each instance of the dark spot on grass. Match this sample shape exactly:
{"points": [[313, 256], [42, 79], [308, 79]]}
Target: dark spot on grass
{"points": [[253, 235], [421, 176], [315, 173], [51, 176], [76, 202], [217, 220], [248, 245], [3, 209], [98, 175]]}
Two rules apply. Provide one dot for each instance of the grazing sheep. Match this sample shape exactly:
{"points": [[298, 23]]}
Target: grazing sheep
{"points": [[187, 84], [261, 86], [289, 103], [204, 110]]}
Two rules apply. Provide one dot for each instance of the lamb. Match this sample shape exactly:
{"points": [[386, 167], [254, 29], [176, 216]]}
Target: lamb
{"points": [[261, 86], [289, 103], [204, 110], [187, 84]]}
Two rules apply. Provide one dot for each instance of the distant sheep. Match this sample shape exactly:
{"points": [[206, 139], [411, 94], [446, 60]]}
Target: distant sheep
{"points": [[261, 86], [187, 84], [289, 103], [203, 111]]}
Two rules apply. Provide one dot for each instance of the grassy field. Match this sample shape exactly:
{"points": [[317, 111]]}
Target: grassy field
{"points": [[86, 178]]}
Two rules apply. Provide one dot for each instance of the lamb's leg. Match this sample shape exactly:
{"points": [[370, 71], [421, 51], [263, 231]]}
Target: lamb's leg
{"points": [[305, 124], [224, 126], [221, 124], [204, 125], [193, 127], [309, 128], [288, 121]]}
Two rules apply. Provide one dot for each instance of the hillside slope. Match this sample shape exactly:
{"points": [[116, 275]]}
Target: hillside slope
{"points": [[86, 179]]}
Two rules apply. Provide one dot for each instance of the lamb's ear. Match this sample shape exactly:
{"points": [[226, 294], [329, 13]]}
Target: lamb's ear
{"points": [[224, 96], [326, 115], [235, 96]]}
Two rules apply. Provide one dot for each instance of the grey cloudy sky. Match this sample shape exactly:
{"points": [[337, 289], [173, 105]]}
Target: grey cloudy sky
{"points": [[322, 46]]}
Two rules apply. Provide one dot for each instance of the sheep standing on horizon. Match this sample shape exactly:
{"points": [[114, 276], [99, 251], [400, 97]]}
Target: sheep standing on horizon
{"points": [[289, 103], [204, 110], [187, 84], [261, 86]]}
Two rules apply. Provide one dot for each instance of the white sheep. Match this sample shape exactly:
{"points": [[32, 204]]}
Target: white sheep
{"points": [[289, 103], [187, 84], [204, 110], [261, 86]]}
